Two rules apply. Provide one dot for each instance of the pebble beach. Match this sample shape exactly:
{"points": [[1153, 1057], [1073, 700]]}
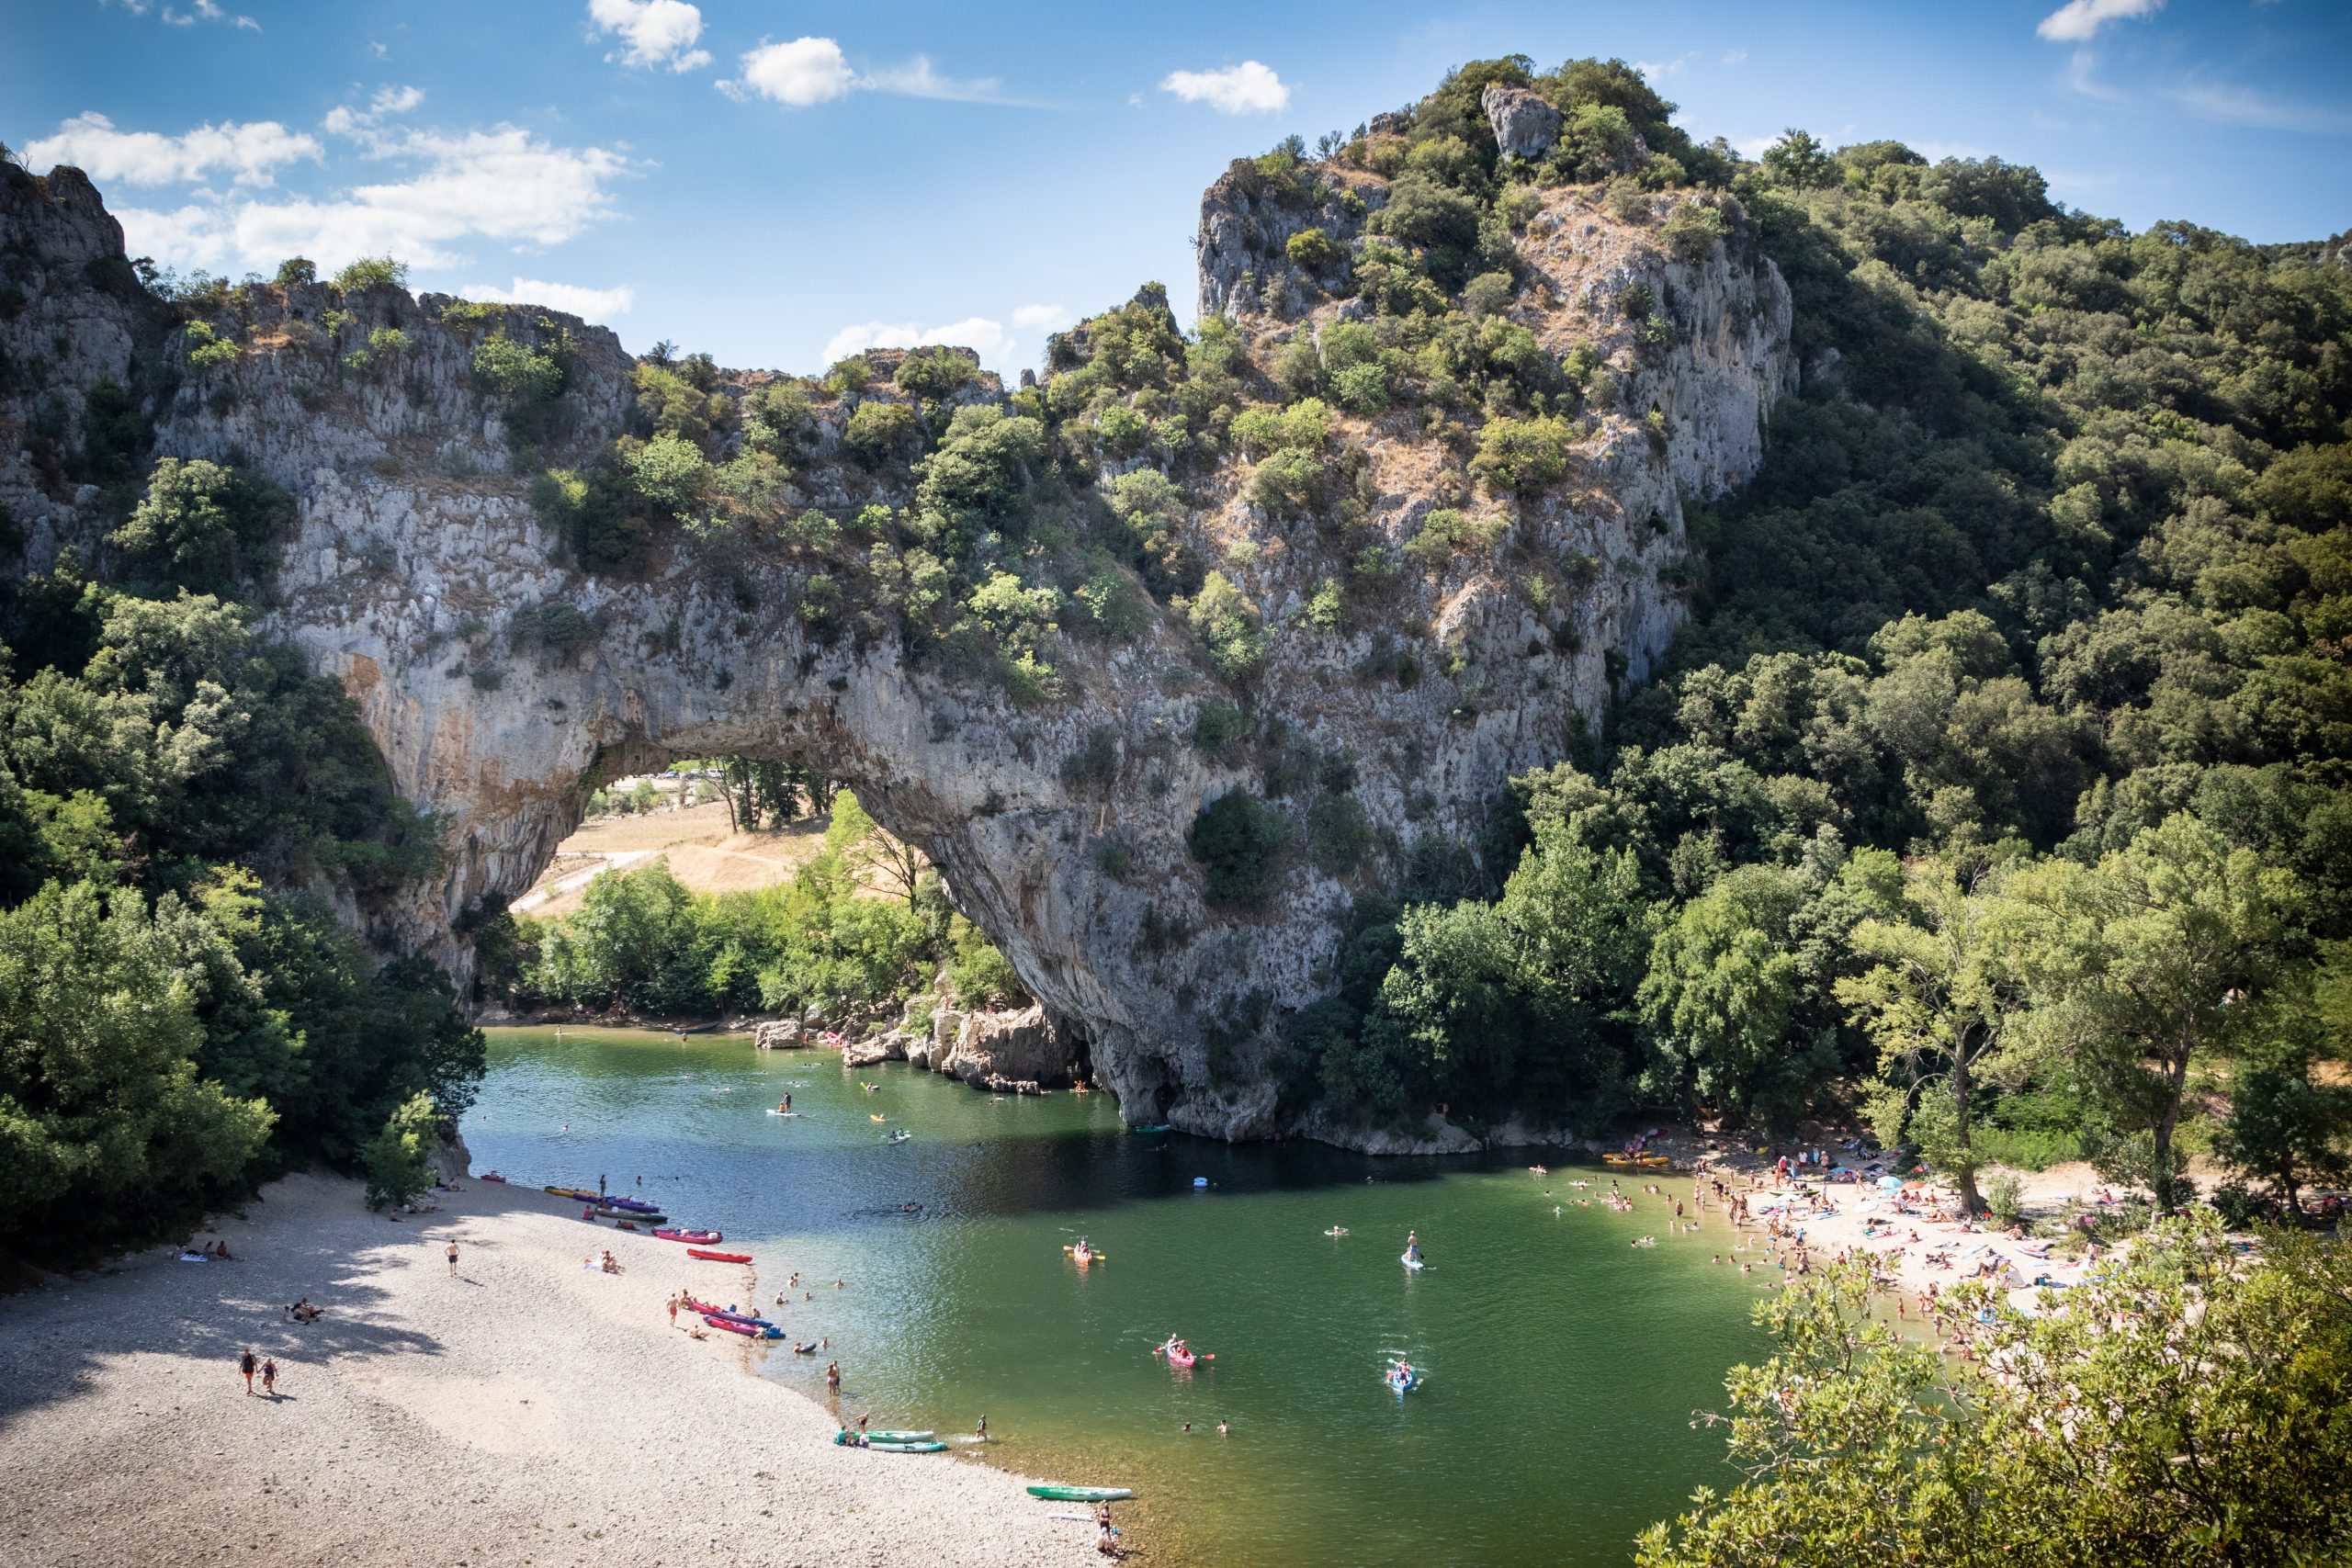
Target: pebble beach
{"points": [[527, 1411]]}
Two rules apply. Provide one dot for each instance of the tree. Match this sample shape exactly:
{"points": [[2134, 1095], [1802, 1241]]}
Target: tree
{"points": [[204, 528], [872, 852], [105, 1130], [399, 1163], [1937, 1001], [2184, 1408], [2159, 956], [1799, 159], [1723, 992]]}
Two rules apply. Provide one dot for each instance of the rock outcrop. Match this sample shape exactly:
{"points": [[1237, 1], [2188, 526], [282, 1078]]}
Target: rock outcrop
{"points": [[420, 575], [1525, 125]]}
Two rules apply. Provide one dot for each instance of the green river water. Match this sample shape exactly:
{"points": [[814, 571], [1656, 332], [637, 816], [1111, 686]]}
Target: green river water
{"points": [[1563, 1364]]}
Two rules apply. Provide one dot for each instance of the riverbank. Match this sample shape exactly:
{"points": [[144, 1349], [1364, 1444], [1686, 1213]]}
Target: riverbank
{"points": [[524, 1411]]}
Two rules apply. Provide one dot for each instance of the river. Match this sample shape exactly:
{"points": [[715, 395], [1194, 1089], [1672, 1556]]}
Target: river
{"points": [[1564, 1363]]}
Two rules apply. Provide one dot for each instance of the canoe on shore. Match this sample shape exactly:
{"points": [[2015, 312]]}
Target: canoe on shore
{"points": [[847, 1438], [699, 1237], [748, 1330], [710, 1257], [1054, 1494]]}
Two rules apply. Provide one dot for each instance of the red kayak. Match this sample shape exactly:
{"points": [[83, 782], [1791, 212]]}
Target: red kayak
{"points": [[749, 1331], [692, 1305], [691, 1236], [711, 1257]]}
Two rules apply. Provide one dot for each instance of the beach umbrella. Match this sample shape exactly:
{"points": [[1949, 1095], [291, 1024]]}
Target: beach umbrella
{"points": [[1889, 1183]]}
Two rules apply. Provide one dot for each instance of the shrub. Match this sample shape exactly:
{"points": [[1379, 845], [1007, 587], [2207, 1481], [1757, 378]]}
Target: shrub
{"points": [[1692, 229], [396, 1162], [850, 376], [206, 349], [1216, 726], [2005, 1195], [1338, 833], [1228, 623], [1488, 294], [515, 371], [1525, 457], [879, 432], [674, 405], [383, 343], [777, 418], [203, 526], [1325, 611], [1314, 249], [1362, 388], [296, 272], [1239, 841], [667, 472], [1123, 430], [1288, 483], [372, 272], [934, 373], [1446, 532]]}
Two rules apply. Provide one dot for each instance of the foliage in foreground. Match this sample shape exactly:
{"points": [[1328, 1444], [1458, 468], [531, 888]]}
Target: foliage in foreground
{"points": [[2191, 1405]]}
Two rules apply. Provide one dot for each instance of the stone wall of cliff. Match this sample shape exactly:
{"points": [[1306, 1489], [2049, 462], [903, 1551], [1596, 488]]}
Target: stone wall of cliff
{"points": [[417, 555]]}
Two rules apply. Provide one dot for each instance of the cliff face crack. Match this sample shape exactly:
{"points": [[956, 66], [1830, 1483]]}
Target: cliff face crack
{"points": [[1062, 826]]}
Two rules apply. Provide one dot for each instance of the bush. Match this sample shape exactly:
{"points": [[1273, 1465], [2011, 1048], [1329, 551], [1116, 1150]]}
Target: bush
{"points": [[1339, 833], [1488, 294], [515, 371], [372, 272], [1238, 841], [1314, 249], [397, 1162], [1523, 457], [1446, 532], [934, 373], [1362, 388], [1216, 726], [1228, 623], [296, 272], [1325, 611], [1288, 483], [204, 528], [383, 343], [1692, 230], [206, 349], [667, 472], [2005, 1196], [880, 432]]}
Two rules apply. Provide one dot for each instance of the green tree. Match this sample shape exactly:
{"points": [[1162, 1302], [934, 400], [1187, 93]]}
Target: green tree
{"points": [[2158, 957], [2184, 1408], [399, 1161], [203, 526], [1937, 1000], [107, 1132]]}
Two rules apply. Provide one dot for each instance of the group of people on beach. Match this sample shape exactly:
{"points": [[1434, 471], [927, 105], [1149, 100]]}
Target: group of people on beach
{"points": [[248, 1364]]}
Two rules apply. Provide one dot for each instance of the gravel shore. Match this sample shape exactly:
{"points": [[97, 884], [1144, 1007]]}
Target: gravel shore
{"points": [[527, 1411]]}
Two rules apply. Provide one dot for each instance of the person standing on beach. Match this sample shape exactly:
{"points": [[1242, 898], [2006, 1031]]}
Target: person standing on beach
{"points": [[453, 1261], [269, 1377], [247, 1365], [674, 1312]]}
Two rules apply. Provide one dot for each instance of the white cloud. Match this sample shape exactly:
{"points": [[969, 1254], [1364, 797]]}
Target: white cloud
{"points": [[1735, 57], [378, 51], [652, 32], [2078, 20], [589, 304], [1043, 317], [1755, 146], [250, 154], [1246, 88], [810, 70], [1653, 71], [502, 183], [203, 11], [916, 79], [806, 70], [395, 100]]}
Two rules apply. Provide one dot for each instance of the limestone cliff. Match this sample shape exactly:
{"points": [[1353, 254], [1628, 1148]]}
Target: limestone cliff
{"points": [[418, 563]]}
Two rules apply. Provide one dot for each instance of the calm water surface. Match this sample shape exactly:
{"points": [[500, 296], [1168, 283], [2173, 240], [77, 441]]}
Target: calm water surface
{"points": [[1563, 1364]]}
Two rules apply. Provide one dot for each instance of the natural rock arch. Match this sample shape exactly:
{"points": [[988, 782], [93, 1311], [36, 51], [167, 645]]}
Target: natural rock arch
{"points": [[419, 564]]}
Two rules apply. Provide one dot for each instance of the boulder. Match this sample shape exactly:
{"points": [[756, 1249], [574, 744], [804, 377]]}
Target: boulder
{"points": [[1525, 126], [779, 1034], [865, 1053], [1017, 1050]]}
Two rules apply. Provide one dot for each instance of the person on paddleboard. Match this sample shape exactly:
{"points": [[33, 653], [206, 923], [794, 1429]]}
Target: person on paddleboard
{"points": [[1413, 1245]]}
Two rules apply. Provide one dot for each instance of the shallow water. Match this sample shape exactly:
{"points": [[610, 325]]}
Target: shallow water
{"points": [[1563, 1364]]}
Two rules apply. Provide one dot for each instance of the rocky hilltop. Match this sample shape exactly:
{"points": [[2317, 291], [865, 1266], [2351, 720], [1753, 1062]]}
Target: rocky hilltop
{"points": [[503, 678]]}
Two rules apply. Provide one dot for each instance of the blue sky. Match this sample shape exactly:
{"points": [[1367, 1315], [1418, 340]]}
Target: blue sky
{"points": [[777, 182]]}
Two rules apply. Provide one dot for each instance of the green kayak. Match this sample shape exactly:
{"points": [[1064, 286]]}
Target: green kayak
{"points": [[845, 1438], [908, 1448], [1082, 1494]]}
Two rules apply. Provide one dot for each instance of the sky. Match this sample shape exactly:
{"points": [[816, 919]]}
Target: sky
{"points": [[779, 184]]}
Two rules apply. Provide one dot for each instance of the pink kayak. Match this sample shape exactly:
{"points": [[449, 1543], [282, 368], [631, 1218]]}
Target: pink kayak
{"points": [[701, 1238]]}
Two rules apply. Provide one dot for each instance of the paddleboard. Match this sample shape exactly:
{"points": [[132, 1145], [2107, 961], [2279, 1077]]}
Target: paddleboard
{"points": [[1411, 1262], [774, 1111]]}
